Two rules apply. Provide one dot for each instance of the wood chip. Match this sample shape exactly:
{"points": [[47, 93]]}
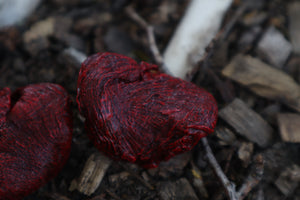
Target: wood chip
{"points": [[180, 189], [92, 174], [247, 122], [288, 180], [35, 39], [270, 112], [43, 28], [264, 80], [274, 47], [289, 125], [172, 167], [225, 135], [245, 153], [113, 179], [294, 25]]}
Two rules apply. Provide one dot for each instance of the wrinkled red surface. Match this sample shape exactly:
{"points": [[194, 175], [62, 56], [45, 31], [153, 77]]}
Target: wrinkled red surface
{"points": [[35, 137], [135, 113]]}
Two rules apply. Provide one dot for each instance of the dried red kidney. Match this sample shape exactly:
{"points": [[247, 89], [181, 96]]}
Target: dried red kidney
{"points": [[35, 137], [135, 113]]}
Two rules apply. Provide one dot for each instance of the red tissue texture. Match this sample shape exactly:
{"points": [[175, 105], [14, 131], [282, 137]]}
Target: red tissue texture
{"points": [[136, 113], [35, 137]]}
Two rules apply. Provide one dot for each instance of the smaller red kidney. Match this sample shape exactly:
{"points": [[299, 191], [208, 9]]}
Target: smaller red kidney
{"points": [[136, 113], [35, 137]]}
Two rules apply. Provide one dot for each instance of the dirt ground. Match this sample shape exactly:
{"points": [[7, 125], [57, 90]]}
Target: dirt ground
{"points": [[91, 26]]}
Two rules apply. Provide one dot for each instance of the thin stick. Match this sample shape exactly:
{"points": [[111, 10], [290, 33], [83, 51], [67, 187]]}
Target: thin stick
{"points": [[254, 177], [150, 34], [228, 185]]}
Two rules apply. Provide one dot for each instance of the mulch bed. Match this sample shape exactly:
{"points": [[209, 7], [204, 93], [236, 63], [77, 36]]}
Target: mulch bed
{"points": [[92, 26]]}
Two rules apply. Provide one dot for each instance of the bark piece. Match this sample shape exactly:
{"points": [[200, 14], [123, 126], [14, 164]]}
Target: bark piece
{"points": [[113, 179], [274, 47], [292, 67], [226, 136], [245, 153], [289, 124], [180, 189], [270, 112], [35, 39], [294, 25], [173, 167], [288, 180], [43, 28], [92, 174], [247, 122], [264, 80]]}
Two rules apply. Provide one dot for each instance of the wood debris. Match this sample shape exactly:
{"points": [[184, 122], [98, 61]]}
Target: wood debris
{"points": [[264, 80], [113, 179], [91, 175], [270, 112], [245, 153], [289, 125], [172, 167], [288, 180], [294, 25], [254, 177], [74, 29], [274, 48], [247, 122], [37, 37], [225, 135], [180, 189]]}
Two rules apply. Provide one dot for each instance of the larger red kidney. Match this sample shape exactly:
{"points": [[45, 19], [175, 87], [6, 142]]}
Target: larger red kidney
{"points": [[136, 113], [35, 137]]}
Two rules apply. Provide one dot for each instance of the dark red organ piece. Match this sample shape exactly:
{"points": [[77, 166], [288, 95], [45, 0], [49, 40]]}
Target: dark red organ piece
{"points": [[35, 137], [136, 113]]}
